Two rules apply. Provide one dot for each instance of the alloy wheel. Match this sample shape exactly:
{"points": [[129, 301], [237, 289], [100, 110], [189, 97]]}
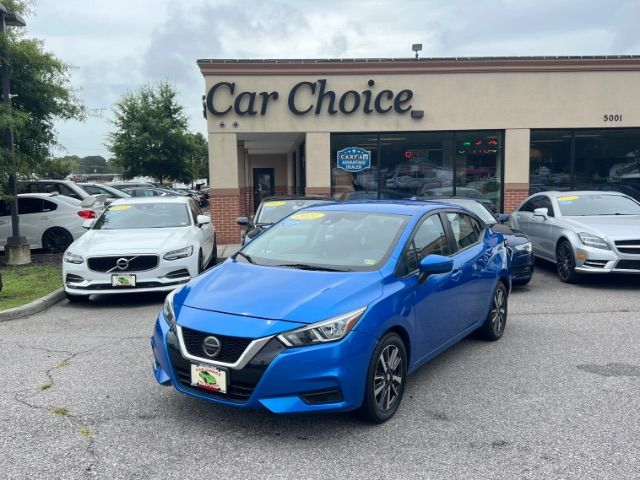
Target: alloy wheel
{"points": [[498, 311], [56, 240], [387, 383], [565, 261]]}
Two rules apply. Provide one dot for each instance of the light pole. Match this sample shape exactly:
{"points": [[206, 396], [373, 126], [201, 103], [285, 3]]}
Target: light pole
{"points": [[16, 250]]}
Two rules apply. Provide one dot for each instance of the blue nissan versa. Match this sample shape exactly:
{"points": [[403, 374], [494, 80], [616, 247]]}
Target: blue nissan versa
{"points": [[333, 306]]}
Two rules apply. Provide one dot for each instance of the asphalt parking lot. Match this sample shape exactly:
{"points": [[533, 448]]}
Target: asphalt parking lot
{"points": [[557, 397]]}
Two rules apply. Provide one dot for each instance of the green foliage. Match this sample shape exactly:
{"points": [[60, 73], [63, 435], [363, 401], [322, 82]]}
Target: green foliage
{"points": [[56, 168], [40, 82], [198, 159], [151, 137]]}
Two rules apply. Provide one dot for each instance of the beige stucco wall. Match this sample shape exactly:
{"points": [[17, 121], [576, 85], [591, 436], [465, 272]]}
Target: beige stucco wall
{"points": [[223, 161], [460, 101], [277, 162]]}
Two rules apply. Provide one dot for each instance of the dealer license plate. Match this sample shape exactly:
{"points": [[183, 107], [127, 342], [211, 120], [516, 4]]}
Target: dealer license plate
{"points": [[209, 378], [123, 280]]}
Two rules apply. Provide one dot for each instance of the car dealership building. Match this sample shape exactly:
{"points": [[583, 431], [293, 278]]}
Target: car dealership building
{"points": [[493, 129]]}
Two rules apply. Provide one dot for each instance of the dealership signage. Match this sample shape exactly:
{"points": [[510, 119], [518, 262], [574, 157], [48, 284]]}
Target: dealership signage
{"points": [[308, 98], [353, 159]]}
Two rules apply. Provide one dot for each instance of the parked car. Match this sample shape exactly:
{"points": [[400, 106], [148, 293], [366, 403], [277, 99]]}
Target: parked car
{"points": [[62, 187], [522, 258], [122, 185], [47, 220], [152, 192], [198, 196], [142, 245], [102, 189], [332, 307], [273, 209], [583, 231]]}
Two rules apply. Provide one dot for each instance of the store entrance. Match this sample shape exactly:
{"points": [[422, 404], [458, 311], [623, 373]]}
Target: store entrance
{"points": [[263, 185]]}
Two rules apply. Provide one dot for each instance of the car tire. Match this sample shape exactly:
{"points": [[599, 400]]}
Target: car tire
{"points": [[566, 263], [201, 267], [384, 387], [494, 325], [214, 255], [76, 298], [56, 239]]}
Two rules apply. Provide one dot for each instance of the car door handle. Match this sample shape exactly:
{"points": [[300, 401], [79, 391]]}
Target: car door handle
{"points": [[455, 276]]}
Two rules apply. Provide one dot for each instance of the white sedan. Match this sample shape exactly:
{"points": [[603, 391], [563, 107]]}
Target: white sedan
{"points": [[47, 220], [142, 245]]}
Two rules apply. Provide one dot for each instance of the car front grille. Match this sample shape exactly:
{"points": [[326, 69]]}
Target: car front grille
{"points": [[628, 265], [128, 263], [240, 383], [628, 246], [232, 347]]}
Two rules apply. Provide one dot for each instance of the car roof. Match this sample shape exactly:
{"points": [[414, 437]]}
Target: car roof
{"points": [[399, 207], [564, 193], [167, 199], [298, 197]]}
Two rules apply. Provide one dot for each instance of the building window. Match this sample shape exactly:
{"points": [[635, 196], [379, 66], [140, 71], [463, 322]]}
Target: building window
{"points": [[424, 164], [602, 159]]}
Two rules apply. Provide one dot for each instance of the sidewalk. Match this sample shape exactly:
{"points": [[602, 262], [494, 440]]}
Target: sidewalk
{"points": [[225, 251]]}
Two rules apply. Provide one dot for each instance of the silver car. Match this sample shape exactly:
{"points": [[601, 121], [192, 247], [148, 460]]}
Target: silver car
{"points": [[583, 231]]}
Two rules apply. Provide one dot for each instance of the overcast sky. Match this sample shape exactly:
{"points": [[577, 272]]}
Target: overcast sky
{"points": [[119, 45]]}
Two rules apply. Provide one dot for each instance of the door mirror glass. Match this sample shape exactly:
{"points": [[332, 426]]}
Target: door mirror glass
{"points": [[243, 221], [433, 264], [503, 218], [541, 212]]}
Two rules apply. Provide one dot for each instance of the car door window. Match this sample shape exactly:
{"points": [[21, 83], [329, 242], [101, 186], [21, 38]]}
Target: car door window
{"points": [[429, 239], [545, 202], [529, 206], [195, 211], [29, 205], [466, 230], [48, 206]]}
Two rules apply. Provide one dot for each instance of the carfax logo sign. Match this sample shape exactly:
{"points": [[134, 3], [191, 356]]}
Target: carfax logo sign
{"points": [[354, 159]]}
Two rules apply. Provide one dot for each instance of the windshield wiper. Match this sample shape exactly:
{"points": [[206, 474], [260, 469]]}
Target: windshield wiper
{"points": [[248, 257], [306, 266]]}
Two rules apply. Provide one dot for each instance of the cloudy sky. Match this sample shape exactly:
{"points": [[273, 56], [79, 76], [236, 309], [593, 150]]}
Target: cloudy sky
{"points": [[119, 45]]}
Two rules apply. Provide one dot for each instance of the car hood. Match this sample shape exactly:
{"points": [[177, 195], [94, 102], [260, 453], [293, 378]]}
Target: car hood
{"points": [[277, 293], [132, 240], [614, 226]]}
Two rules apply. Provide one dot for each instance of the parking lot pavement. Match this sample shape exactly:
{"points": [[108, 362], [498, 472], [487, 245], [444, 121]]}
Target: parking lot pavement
{"points": [[557, 397]]}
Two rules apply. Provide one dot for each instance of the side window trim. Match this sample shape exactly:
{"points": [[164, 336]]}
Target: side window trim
{"points": [[450, 233], [410, 243]]}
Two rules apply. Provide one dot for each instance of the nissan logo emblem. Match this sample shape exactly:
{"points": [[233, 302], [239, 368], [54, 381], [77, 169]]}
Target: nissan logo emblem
{"points": [[211, 347], [122, 263]]}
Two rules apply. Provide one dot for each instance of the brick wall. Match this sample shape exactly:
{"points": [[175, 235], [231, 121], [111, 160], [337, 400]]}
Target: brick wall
{"points": [[514, 194], [225, 209]]}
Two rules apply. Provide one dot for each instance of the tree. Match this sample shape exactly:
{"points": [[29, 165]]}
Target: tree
{"points": [[198, 159], [40, 83], [151, 136], [56, 168]]}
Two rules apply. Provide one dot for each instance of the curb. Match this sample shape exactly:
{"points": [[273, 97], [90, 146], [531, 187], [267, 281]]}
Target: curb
{"points": [[34, 307]]}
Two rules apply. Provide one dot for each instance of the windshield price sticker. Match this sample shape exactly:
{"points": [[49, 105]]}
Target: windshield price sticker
{"points": [[277, 203], [117, 208], [568, 198], [307, 216]]}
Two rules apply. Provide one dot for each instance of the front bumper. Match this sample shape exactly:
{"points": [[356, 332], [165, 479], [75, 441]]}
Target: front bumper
{"points": [[279, 379], [522, 265], [168, 275], [597, 260]]}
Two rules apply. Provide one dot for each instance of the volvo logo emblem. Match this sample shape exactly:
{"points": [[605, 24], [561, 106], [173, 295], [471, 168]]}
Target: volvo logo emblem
{"points": [[211, 347], [122, 263]]}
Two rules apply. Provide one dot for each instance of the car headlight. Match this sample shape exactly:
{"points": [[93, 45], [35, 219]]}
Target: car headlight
{"points": [[180, 253], [525, 247], [325, 331], [73, 258], [592, 241], [167, 310]]}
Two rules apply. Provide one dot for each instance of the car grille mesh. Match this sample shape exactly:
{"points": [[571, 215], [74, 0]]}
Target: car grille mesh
{"points": [[232, 347], [135, 263], [628, 265]]}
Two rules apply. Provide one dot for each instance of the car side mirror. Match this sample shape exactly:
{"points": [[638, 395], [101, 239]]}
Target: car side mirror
{"points": [[243, 221], [434, 264], [87, 224], [203, 220], [503, 218], [541, 212]]}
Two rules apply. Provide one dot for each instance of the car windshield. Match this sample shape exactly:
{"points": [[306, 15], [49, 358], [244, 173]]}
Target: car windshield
{"points": [[273, 211], [476, 207], [594, 204], [143, 215], [328, 240]]}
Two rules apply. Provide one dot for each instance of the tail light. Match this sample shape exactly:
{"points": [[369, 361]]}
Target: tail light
{"points": [[87, 214]]}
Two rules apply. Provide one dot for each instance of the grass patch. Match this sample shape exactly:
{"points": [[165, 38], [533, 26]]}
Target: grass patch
{"points": [[60, 411], [64, 363], [85, 432], [46, 386], [23, 285]]}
